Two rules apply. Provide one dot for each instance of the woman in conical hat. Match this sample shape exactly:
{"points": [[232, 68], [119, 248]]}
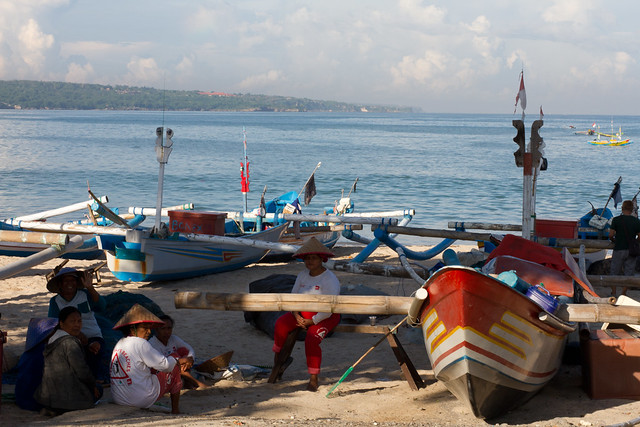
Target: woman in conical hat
{"points": [[133, 358], [315, 279]]}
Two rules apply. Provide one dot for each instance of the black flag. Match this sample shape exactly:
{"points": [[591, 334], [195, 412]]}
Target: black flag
{"points": [[310, 190], [616, 195]]}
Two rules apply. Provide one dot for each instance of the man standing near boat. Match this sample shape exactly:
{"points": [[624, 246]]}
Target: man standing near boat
{"points": [[624, 229]]}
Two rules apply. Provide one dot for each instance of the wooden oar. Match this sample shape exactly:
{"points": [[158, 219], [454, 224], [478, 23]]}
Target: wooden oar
{"points": [[392, 330]]}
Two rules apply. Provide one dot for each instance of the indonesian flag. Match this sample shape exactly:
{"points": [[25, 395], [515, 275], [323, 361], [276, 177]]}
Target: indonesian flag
{"points": [[521, 96]]}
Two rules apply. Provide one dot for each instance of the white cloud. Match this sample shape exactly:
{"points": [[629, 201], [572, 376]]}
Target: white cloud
{"points": [[259, 80], [480, 25], [420, 69], [575, 12], [516, 59], [425, 15], [79, 73], [34, 44], [143, 72]]}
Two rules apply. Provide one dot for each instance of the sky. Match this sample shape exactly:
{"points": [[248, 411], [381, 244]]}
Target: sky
{"points": [[454, 56]]}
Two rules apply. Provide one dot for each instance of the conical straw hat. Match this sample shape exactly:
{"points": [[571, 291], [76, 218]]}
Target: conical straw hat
{"points": [[215, 364], [138, 314], [313, 246]]}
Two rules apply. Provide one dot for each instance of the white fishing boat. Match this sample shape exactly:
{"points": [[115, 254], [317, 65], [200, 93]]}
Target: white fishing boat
{"points": [[141, 256]]}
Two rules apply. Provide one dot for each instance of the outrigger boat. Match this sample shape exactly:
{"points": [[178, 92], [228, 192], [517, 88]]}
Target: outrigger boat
{"points": [[88, 250], [612, 139], [144, 256]]}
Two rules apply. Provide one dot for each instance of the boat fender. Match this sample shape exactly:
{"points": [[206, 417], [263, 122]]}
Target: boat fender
{"points": [[511, 278], [449, 257]]}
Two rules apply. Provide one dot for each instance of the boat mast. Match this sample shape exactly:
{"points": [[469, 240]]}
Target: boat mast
{"points": [[244, 172], [163, 149]]}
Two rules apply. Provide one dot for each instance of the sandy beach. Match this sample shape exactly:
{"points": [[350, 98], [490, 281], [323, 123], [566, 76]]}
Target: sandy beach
{"points": [[375, 393]]}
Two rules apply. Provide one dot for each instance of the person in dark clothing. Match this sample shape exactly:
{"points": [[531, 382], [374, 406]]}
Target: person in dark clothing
{"points": [[624, 227], [67, 382], [74, 288]]}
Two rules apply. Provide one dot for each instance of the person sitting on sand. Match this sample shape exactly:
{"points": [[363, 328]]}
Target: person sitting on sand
{"points": [[315, 279], [67, 382], [140, 374], [75, 289], [168, 344]]}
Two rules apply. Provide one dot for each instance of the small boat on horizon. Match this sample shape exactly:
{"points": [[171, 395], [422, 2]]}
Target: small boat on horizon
{"points": [[610, 140]]}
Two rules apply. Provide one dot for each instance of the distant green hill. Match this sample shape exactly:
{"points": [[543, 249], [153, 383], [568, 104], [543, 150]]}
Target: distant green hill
{"points": [[26, 94]]}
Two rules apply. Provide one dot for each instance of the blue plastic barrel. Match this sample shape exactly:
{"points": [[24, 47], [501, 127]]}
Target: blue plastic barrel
{"points": [[542, 296]]}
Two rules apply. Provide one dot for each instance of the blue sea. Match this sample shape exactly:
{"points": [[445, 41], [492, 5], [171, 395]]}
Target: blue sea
{"points": [[448, 167]]}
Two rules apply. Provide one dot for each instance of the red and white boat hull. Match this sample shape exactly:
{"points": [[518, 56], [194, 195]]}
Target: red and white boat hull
{"points": [[485, 341]]}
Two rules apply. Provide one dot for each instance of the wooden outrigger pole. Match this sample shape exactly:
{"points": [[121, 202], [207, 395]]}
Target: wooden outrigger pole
{"points": [[60, 211], [373, 305], [38, 258]]}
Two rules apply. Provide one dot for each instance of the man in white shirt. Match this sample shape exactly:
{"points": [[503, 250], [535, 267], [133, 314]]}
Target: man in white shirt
{"points": [[133, 383]]}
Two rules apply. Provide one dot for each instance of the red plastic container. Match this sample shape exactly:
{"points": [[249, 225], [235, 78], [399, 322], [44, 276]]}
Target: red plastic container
{"points": [[556, 228], [610, 364], [197, 222]]}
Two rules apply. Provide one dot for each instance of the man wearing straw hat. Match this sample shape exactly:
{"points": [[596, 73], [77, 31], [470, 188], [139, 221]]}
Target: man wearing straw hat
{"points": [[316, 279], [140, 374]]}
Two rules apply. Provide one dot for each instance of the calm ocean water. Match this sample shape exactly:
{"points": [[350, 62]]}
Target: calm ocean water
{"points": [[445, 166]]}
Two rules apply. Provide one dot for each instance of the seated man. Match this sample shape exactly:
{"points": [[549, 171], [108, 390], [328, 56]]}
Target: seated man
{"points": [[168, 344]]}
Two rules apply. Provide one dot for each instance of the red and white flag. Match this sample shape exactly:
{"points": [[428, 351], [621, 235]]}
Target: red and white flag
{"points": [[541, 113], [522, 95]]}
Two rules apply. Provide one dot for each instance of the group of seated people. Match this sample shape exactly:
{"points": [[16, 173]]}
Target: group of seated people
{"points": [[145, 368], [141, 370]]}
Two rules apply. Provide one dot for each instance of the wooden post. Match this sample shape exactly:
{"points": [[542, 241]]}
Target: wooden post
{"points": [[527, 197]]}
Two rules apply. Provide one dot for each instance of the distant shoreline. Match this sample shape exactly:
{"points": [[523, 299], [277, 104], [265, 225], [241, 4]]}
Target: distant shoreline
{"points": [[39, 95]]}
